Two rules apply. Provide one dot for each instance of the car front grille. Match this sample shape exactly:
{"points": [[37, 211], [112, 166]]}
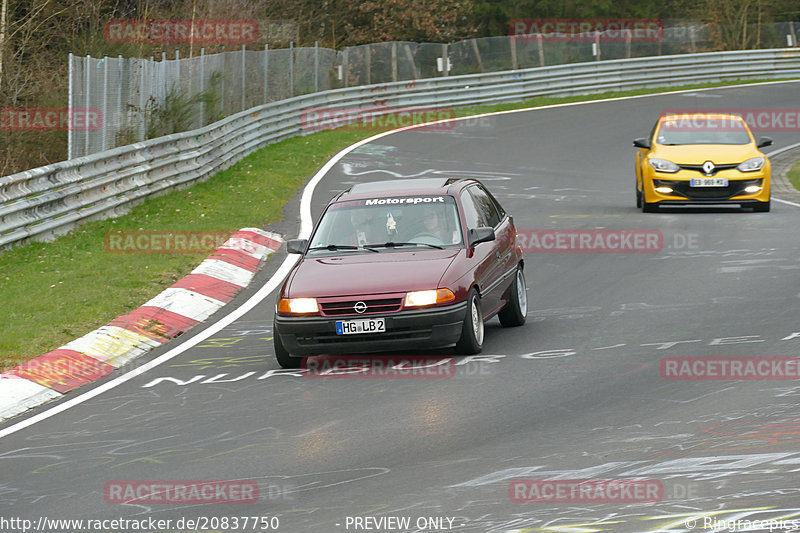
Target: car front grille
{"points": [[734, 188], [717, 168], [373, 306]]}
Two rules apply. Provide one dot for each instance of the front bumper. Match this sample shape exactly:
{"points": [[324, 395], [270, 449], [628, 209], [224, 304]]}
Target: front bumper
{"points": [[405, 330], [683, 193]]}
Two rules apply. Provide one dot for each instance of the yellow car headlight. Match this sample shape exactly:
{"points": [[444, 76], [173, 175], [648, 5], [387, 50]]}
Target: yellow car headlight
{"points": [[662, 165], [298, 306], [751, 165], [431, 297]]}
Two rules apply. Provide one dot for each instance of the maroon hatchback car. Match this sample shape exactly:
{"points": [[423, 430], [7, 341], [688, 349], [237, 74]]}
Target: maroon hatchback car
{"points": [[402, 264]]}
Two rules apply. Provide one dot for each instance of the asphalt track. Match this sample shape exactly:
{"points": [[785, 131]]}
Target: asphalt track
{"points": [[576, 393]]}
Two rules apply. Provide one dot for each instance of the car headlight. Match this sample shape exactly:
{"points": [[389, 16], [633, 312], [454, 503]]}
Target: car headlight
{"points": [[751, 165], [298, 306], [662, 165], [431, 297]]}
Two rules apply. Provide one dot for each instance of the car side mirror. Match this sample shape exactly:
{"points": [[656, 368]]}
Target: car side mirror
{"points": [[479, 235], [296, 246], [764, 141], [641, 142]]}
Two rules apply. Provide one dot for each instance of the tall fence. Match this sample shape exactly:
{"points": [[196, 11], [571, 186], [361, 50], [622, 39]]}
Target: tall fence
{"points": [[50, 200], [134, 99]]}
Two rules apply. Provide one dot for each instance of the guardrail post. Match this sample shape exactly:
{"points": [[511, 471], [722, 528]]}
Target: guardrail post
{"points": [[291, 68], [596, 46], [628, 44], [70, 103], [316, 66], [346, 66], [513, 46], [477, 54], [394, 61], [222, 99], [142, 96], [368, 61], [412, 61], [104, 118], [541, 49], [202, 85], [87, 100], [164, 74], [122, 117], [244, 62], [266, 72]]}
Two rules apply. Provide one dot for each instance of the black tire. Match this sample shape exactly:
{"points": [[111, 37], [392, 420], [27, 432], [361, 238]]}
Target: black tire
{"points": [[471, 341], [762, 207], [648, 207], [283, 357], [638, 198], [514, 313]]}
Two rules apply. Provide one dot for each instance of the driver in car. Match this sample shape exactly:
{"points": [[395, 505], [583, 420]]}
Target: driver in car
{"points": [[435, 225]]}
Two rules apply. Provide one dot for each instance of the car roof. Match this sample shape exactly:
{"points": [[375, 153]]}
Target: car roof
{"points": [[386, 188]]}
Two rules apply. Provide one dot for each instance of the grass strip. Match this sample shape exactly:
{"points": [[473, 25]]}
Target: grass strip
{"points": [[54, 292], [794, 175]]}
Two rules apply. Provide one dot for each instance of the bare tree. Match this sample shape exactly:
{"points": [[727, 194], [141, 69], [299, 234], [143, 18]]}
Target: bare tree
{"points": [[3, 26], [736, 24]]}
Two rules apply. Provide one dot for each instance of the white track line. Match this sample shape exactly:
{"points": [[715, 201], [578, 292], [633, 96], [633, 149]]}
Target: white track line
{"points": [[306, 225]]}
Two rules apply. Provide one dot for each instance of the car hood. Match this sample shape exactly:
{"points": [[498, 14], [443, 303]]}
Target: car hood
{"points": [[697, 154], [372, 273]]}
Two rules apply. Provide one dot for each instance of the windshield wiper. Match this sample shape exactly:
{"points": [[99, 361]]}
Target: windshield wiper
{"points": [[391, 244], [335, 247]]}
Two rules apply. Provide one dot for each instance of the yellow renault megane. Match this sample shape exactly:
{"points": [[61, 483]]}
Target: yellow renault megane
{"points": [[702, 158]]}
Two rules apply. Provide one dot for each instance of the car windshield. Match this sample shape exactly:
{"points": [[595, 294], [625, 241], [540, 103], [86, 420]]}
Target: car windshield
{"points": [[384, 224], [702, 130]]}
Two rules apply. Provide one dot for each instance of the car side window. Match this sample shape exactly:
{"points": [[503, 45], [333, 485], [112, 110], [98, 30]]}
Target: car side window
{"points": [[487, 207], [472, 216]]}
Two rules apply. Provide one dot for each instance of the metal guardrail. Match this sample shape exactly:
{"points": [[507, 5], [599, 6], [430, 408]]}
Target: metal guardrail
{"points": [[47, 201]]}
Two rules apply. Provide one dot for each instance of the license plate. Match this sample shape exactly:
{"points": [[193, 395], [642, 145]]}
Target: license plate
{"points": [[362, 325], [708, 182]]}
